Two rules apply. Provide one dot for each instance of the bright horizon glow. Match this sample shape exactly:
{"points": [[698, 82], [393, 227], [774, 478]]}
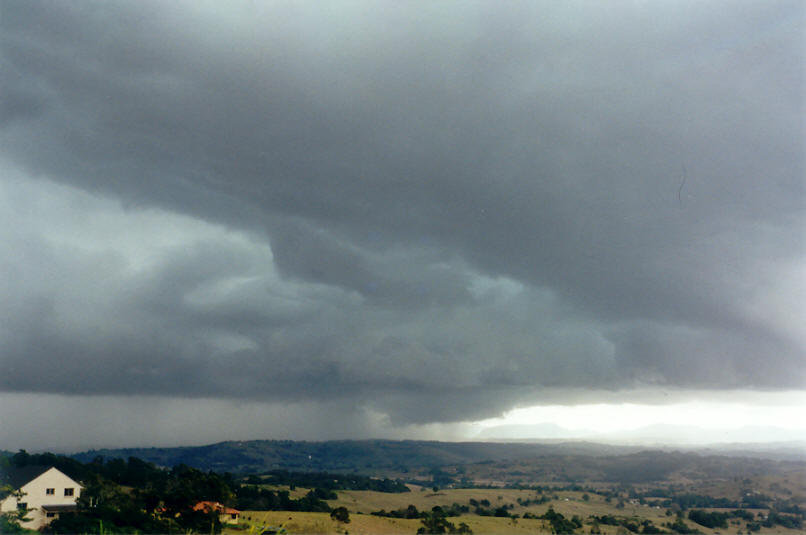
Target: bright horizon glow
{"points": [[113, 418], [782, 410]]}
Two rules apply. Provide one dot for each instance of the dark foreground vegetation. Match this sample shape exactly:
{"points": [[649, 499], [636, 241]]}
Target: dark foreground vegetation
{"points": [[127, 496]]}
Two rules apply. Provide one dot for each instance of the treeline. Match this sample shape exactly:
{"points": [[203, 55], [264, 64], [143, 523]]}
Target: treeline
{"points": [[258, 499], [559, 523], [437, 522], [671, 498], [326, 480], [714, 519], [634, 525], [412, 512], [753, 501], [133, 472], [483, 509]]}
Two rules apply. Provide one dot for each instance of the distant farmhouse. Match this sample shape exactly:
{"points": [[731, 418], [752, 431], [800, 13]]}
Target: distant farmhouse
{"points": [[47, 494], [226, 515]]}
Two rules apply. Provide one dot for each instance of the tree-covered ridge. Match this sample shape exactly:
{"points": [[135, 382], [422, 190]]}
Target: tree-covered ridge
{"points": [[327, 480], [258, 456]]}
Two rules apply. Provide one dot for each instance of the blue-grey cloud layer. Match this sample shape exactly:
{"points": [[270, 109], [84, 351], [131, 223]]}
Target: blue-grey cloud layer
{"points": [[435, 210]]}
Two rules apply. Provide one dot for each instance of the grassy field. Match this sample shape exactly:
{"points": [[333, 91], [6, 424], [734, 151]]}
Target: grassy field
{"points": [[786, 482], [567, 503], [361, 503], [321, 523]]}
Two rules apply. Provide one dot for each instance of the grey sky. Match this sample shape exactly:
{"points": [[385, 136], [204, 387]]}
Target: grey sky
{"points": [[429, 211]]}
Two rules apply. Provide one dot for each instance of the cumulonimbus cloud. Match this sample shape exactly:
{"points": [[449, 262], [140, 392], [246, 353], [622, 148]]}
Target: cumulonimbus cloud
{"points": [[401, 208]]}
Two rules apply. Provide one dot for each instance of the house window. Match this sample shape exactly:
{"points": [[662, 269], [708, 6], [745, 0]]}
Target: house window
{"points": [[68, 492], [51, 515], [50, 491], [22, 505], [233, 516]]}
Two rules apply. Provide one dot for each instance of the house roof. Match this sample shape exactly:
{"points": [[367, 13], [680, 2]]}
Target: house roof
{"points": [[215, 506], [17, 477], [60, 508]]}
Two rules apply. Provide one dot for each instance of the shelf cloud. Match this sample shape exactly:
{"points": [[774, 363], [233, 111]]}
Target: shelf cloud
{"points": [[434, 212]]}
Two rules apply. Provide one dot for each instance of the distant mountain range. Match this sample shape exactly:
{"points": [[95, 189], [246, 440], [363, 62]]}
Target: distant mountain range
{"points": [[375, 456], [342, 455]]}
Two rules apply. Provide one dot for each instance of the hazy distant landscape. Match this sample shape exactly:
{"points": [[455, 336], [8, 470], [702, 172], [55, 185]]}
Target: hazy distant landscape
{"points": [[658, 434], [382, 486], [373, 456]]}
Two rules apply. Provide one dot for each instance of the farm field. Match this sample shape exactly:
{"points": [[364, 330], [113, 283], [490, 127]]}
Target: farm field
{"points": [[368, 501], [568, 503], [321, 523], [645, 492]]}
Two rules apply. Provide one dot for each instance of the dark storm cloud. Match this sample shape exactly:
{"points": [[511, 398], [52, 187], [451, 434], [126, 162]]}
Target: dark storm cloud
{"points": [[436, 211]]}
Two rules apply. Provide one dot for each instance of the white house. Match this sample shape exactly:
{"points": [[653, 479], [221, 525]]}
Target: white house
{"points": [[47, 493]]}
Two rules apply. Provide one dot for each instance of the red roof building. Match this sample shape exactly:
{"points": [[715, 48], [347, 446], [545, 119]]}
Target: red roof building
{"points": [[226, 515]]}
